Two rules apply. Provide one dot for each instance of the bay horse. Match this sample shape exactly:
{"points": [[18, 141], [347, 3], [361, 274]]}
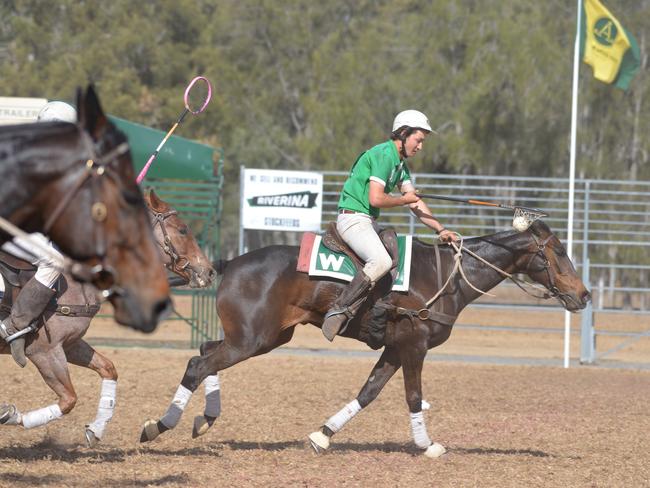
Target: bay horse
{"points": [[76, 184], [60, 341], [262, 297]]}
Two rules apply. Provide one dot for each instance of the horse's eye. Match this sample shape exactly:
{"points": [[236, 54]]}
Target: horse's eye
{"points": [[183, 231]]}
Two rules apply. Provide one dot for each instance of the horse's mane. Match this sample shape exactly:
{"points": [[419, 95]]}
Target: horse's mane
{"points": [[466, 240], [17, 142], [33, 131], [538, 228]]}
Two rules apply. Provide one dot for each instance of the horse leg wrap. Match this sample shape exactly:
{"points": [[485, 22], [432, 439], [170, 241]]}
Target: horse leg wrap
{"points": [[336, 422], [176, 408], [202, 423], [212, 396], [105, 408], [419, 429], [42, 416]]}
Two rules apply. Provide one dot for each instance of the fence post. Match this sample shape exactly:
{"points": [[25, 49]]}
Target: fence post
{"points": [[587, 335], [410, 214], [241, 206]]}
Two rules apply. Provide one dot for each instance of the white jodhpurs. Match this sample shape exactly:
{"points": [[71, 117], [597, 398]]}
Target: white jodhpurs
{"points": [[359, 231], [48, 270]]}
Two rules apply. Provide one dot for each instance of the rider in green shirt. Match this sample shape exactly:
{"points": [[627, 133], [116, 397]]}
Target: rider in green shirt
{"points": [[376, 173], [381, 164]]}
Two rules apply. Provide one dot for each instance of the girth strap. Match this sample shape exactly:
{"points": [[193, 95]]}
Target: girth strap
{"points": [[65, 310]]}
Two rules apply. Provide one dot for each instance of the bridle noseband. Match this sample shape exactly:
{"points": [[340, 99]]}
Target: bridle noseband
{"points": [[552, 287], [178, 263], [546, 264]]}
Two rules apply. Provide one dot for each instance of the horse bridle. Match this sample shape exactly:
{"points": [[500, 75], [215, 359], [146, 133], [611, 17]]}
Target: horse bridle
{"points": [[552, 287], [539, 252], [178, 263], [100, 275]]}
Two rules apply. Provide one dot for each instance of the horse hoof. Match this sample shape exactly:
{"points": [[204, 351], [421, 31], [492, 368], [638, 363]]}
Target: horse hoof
{"points": [[201, 425], [149, 431], [91, 438], [435, 450], [8, 414], [319, 442]]}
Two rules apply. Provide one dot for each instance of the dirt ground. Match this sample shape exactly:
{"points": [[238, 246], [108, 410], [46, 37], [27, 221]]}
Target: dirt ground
{"points": [[503, 425], [478, 332]]}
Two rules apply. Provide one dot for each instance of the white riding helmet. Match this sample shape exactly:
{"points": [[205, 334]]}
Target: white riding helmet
{"points": [[57, 111], [413, 119]]}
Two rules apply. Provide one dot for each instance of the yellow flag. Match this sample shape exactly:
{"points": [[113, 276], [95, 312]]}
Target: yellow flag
{"points": [[607, 47]]}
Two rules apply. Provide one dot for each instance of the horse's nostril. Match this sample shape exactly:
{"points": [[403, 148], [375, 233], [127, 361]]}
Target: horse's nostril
{"points": [[586, 296], [162, 309]]}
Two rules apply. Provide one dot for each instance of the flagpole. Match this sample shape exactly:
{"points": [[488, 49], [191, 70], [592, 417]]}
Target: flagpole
{"points": [[572, 170]]}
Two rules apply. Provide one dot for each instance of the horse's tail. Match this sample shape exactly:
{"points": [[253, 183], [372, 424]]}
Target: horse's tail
{"points": [[220, 265]]}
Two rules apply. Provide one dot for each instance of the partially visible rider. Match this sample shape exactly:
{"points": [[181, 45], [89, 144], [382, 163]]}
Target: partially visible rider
{"points": [[30, 303], [373, 176]]}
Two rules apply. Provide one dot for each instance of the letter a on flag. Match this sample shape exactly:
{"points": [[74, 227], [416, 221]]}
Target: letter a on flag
{"points": [[607, 47]]}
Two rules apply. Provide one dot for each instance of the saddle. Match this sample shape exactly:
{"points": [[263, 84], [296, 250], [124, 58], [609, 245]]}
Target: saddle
{"points": [[14, 270], [17, 272], [333, 241]]}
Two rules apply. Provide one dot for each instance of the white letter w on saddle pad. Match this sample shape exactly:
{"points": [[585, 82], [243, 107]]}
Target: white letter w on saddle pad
{"points": [[318, 260]]}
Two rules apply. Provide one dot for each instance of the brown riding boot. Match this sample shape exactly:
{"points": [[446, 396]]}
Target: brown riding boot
{"points": [[346, 306], [28, 307]]}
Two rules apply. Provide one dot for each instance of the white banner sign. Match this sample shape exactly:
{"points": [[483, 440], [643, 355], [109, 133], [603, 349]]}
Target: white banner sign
{"points": [[281, 200], [16, 110]]}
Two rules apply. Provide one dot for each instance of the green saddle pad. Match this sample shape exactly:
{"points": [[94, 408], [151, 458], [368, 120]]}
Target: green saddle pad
{"points": [[325, 262]]}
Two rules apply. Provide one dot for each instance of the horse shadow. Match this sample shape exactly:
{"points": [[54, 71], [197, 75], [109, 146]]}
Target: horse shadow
{"points": [[73, 453], [387, 447]]}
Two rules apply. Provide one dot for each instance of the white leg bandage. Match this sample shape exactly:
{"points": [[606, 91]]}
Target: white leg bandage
{"points": [[176, 408], [42, 416], [212, 396], [419, 430], [105, 408], [346, 414]]}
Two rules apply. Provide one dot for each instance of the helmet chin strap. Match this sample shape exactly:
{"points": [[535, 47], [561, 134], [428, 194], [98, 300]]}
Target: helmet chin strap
{"points": [[402, 138], [402, 151]]}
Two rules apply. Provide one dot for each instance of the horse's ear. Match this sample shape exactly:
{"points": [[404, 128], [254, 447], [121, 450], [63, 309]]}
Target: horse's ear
{"points": [[80, 99], [153, 199], [155, 202], [540, 229], [90, 114]]}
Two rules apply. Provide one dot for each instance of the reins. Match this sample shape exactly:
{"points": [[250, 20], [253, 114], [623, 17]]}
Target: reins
{"points": [[99, 166], [99, 274], [513, 278], [427, 314]]}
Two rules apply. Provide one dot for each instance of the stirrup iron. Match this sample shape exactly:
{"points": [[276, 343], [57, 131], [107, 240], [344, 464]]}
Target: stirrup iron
{"points": [[10, 338]]}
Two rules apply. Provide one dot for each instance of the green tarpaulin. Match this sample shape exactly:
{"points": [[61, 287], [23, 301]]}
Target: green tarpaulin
{"points": [[179, 158]]}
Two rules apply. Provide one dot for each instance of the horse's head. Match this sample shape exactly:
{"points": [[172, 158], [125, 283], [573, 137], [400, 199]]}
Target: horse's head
{"points": [[181, 253], [545, 260], [94, 211]]}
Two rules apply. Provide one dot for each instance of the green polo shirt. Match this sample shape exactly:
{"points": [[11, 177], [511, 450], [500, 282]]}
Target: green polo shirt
{"points": [[381, 164]]}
